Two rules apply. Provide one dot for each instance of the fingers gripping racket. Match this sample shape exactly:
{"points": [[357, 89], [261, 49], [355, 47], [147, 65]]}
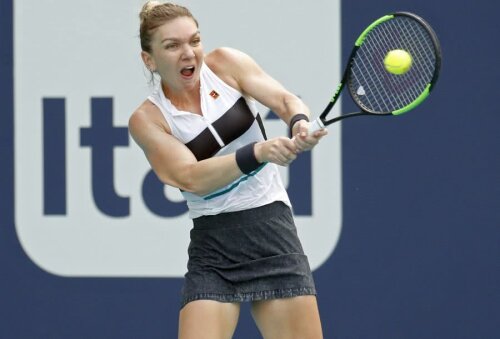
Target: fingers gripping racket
{"points": [[377, 89]]}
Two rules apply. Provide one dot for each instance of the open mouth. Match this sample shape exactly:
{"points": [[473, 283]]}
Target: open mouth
{"points": [[187, 71]]}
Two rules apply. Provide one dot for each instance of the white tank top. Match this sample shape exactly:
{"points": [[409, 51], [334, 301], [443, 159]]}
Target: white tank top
{"points": [[229, 121]]}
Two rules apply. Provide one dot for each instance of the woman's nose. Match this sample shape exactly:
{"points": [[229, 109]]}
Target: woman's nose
{"points": [[188, 51]]}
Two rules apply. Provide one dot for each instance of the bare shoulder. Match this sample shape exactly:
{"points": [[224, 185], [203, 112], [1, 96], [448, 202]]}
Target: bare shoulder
{"points": [[224, 55], [229, 64], [146, 117], [142, 116]]}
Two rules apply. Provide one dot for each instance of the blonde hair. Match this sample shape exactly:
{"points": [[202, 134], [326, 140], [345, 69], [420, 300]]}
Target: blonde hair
{"points": [[154, 14]]}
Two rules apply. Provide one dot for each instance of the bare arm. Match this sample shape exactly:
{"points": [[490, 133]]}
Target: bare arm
{"points": [[243, 73], [175, 164]]}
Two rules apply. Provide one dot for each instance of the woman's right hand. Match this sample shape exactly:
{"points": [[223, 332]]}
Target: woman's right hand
{"points": [[281, 151]]}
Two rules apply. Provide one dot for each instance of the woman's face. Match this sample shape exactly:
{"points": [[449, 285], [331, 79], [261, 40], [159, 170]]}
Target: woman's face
{"points": [[177, 53]]}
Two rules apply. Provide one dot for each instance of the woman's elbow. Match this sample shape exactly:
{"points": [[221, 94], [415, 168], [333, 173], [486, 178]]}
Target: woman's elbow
{"points": [[185, 182]]}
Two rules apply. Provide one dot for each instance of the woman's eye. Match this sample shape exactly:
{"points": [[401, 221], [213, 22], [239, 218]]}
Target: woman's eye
{"points": [[171, 46]]}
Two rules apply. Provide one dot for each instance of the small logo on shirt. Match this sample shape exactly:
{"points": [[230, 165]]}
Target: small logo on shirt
{"points": [[214, 94]]}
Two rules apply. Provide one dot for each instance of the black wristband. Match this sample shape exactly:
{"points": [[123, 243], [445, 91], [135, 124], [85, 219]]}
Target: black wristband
{"points": [[296, 118], [245, 158]]}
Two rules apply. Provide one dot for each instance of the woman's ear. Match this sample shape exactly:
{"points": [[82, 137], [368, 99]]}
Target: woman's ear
{"points": [[148, 61]]}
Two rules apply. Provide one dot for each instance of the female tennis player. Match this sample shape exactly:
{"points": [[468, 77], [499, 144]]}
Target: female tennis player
{"points": [[201, 132]]}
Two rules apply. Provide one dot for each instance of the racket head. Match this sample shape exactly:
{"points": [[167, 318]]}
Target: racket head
{"points": [[371, 86]]}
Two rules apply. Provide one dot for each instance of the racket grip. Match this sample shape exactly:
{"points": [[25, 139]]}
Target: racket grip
{"points": [[316, 125]]}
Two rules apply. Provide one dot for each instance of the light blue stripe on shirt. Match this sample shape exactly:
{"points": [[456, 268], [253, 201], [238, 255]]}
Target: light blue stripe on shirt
{"points": [[235, 184]]}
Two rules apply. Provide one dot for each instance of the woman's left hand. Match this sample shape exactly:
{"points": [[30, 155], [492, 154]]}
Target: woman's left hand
{"points": [[303, 140]]}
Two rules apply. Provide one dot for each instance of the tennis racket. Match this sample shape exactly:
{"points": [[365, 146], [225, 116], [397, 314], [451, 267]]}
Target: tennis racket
{"points": [[373, 88]]}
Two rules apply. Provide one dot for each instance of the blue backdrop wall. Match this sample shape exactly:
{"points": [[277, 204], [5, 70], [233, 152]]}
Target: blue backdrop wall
{"points": [[419, 252]]}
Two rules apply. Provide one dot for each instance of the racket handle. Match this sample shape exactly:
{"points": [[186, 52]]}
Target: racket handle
{"points": [[316, 125]]}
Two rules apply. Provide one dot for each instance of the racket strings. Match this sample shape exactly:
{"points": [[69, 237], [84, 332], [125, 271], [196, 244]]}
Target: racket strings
{"points": [[404, 97], [423, 52], [372, 86]]}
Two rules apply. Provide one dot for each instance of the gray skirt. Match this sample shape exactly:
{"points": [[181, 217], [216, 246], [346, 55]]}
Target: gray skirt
{"points": [[247, 255]]}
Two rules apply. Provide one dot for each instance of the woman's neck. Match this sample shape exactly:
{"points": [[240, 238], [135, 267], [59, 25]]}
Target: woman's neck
{"points": [[185, 99]]}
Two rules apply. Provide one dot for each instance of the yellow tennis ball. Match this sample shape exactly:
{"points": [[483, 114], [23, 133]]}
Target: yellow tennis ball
{"points": [[398, 61]]}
